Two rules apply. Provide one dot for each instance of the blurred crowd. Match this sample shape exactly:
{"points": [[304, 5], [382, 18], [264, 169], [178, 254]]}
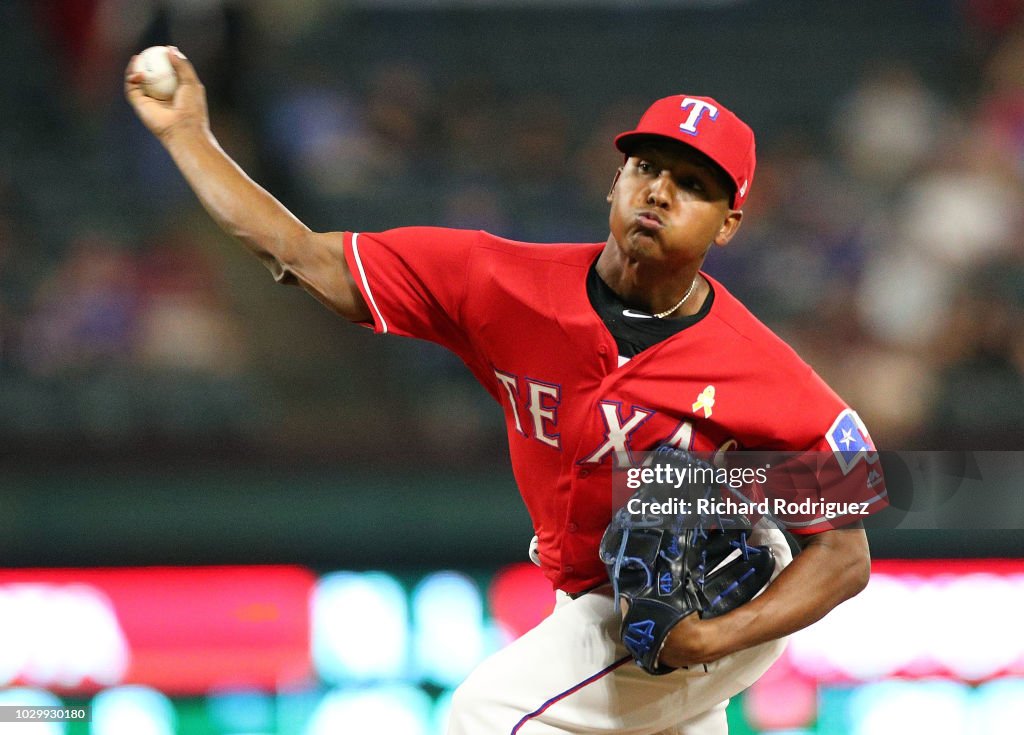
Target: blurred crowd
{"points": [[883, 238]]}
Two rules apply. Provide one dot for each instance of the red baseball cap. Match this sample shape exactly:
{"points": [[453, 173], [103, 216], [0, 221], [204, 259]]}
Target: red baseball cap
{"points": [[704, 124]]}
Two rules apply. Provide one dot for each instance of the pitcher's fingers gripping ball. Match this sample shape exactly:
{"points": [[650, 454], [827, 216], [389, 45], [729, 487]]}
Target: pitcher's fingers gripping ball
{"points": [[665, 566], [158, 80], [166, 100]]}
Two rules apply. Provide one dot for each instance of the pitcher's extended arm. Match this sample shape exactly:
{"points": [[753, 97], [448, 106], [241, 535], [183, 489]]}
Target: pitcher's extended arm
{"points": [[243, 209]]}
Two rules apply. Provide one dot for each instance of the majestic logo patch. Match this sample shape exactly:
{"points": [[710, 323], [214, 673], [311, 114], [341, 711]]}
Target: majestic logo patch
{"points": [[850, 440], [705, 401]]}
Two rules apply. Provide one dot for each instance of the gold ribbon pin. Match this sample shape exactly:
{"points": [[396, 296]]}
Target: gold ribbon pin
{"points": [[706, 400]]}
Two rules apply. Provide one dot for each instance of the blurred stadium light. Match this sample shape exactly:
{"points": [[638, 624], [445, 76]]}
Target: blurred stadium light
{"points": [[384, 710], [360, 628], [133, 710], [448, 628]]}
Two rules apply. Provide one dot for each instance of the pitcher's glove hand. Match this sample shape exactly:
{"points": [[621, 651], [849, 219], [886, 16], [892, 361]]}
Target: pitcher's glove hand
{"points": [[665, 566]]}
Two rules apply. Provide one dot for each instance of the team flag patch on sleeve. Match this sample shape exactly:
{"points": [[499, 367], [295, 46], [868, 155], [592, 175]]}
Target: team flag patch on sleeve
{"points": [[850, 440]]}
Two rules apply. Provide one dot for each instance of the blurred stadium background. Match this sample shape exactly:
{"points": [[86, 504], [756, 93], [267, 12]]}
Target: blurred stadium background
{"points": [[169, 418]]}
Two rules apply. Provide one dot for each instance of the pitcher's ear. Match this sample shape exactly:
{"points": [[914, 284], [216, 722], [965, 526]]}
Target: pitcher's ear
{"points": [[729, 227], [615, 180]]}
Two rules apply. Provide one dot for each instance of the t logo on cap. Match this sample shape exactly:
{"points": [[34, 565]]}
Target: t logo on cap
{"points": [[710, 127], [699, 108]]}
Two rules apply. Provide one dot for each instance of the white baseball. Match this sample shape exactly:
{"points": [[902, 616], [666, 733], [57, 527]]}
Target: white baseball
{"points": [[159, 78]]}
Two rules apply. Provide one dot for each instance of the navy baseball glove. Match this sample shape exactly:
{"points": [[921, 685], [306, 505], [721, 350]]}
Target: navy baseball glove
{"points": [[667, 565]]}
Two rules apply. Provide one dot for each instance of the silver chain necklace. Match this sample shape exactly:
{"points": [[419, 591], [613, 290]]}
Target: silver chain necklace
{"points": [[663, 314]]}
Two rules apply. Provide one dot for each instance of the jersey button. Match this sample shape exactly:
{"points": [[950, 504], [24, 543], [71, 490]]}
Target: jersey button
{"points": [[572, 528], [568, 569], [585, 472]]}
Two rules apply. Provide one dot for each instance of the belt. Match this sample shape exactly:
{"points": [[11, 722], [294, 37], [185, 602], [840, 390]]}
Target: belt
{"points": [[577, 595]]}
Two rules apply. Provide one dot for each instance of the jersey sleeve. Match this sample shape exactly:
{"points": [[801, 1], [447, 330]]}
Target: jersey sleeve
{"points": [[413, 280], [835, 478]]}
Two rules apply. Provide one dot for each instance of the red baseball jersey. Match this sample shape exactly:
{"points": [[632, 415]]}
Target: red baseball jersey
{"points": [[518, 315]]}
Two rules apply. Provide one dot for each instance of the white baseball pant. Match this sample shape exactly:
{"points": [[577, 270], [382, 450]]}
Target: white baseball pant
{"points": [[571, 674]]}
